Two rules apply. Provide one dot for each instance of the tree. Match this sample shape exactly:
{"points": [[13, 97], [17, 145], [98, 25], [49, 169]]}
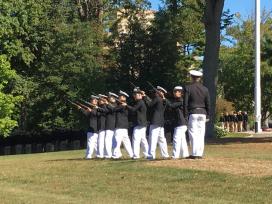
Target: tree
{"points": [[161, 52], [237, 64], [8, 101], [212, 22]]}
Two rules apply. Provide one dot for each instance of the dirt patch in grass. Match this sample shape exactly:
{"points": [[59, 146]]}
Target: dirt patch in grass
{"points": [[241, 167]]}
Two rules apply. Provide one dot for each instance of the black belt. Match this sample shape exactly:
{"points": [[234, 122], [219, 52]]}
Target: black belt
{"points": [[197, 109]]}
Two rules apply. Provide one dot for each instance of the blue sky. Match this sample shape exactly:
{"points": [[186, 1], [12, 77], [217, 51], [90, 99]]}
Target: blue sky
{"points": [[244, 7]]}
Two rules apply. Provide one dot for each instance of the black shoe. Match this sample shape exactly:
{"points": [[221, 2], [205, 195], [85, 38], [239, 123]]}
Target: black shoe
{"points": [[194, 157]]}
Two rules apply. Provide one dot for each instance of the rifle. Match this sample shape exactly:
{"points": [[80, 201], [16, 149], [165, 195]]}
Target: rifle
{"points": [[74, 103], [156, 90], [82, 105], [91, 105], [151, 85], [134, 86]]}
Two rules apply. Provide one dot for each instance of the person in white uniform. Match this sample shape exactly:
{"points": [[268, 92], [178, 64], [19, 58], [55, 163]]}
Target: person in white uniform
{"points": [[92, 133], [180, 148], [139, 130], [101, 123], [121, 131], [110, 124], [156, 129], [197, 108]]}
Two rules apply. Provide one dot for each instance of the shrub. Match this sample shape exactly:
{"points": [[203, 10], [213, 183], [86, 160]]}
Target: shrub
{"points": [[220, 132]]}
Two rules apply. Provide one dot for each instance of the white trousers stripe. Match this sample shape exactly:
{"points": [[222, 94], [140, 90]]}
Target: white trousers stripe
{"points": [[156, 135], [196, 129], [121, 136], [139, 139], [91, 144], [108, 143], [180, 147]]}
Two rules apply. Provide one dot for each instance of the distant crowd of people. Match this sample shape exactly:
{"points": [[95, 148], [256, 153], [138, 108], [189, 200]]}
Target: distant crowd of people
{"points": [[234, 121]]}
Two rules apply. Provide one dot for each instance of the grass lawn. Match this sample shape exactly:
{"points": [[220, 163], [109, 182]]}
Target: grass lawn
{"points": [[237, 134], [230, 173]]}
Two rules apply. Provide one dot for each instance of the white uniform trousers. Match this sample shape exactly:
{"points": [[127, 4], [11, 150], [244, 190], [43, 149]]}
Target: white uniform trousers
{"points": [[156, 134], [101, 144], [196, 130], [180, 147], [139, 139], [108, 143], [91, 144], [121, 136]]}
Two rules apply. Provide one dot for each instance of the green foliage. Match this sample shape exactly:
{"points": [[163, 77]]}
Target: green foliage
{"points": [[161, 52], [220, 132], [7, 101], [237, 64], [72, 68]]}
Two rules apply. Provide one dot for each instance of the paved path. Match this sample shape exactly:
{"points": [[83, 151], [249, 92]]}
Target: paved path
{"points": [[261, 134]]}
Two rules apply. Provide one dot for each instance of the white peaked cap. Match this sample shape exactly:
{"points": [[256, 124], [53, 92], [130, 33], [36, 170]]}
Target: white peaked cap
{"points": [[161, 89], [123, 93], [113, 94], [178, 88], [102, 96], [196, 73], [94, 97]]}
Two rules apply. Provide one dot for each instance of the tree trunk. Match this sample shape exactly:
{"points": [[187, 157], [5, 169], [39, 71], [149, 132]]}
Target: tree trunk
{"points": [[212, 20]]}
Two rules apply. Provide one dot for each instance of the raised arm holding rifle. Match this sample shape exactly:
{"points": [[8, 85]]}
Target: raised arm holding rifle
{"points": [[156, 130], [92, 133]]}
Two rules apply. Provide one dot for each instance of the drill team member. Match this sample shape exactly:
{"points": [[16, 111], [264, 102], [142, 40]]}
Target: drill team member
{"points": [[139, 130], [227, 120], [101, 122], [245, 120], [240, 121], [121, 131], [110, 124], [231, 121], [222, 120], [180, 148], [156, 129], [92, 133], [197, 107]]}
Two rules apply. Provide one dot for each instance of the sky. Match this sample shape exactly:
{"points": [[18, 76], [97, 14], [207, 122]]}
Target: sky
{"points": [[244, 7]]}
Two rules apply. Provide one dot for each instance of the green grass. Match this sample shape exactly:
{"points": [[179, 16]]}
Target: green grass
{"points": [[64, 177], [237, 134]]}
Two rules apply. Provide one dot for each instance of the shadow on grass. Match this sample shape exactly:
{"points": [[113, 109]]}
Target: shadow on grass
{"points": [[223, 141], [122, 160], [93, 160]]}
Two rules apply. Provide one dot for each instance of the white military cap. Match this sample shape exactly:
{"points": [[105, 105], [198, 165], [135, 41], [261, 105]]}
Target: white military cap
{"points": [[161, 89], [122, 93], [178, 88], [137, 90], [102, 96], [113, 94], [196, 73], [94, 97]]}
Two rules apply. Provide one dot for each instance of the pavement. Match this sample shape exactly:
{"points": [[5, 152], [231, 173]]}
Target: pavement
{"points": [[260, 134]]}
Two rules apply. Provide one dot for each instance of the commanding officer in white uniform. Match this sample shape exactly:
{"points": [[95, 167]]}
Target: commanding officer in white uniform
{"points": [[180, 148], [156, 130], [92, 133], [197, 107], [121, 131], [139, 130]]}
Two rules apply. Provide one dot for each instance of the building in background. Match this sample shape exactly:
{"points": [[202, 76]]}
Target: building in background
{"points": [[145, 17]]}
